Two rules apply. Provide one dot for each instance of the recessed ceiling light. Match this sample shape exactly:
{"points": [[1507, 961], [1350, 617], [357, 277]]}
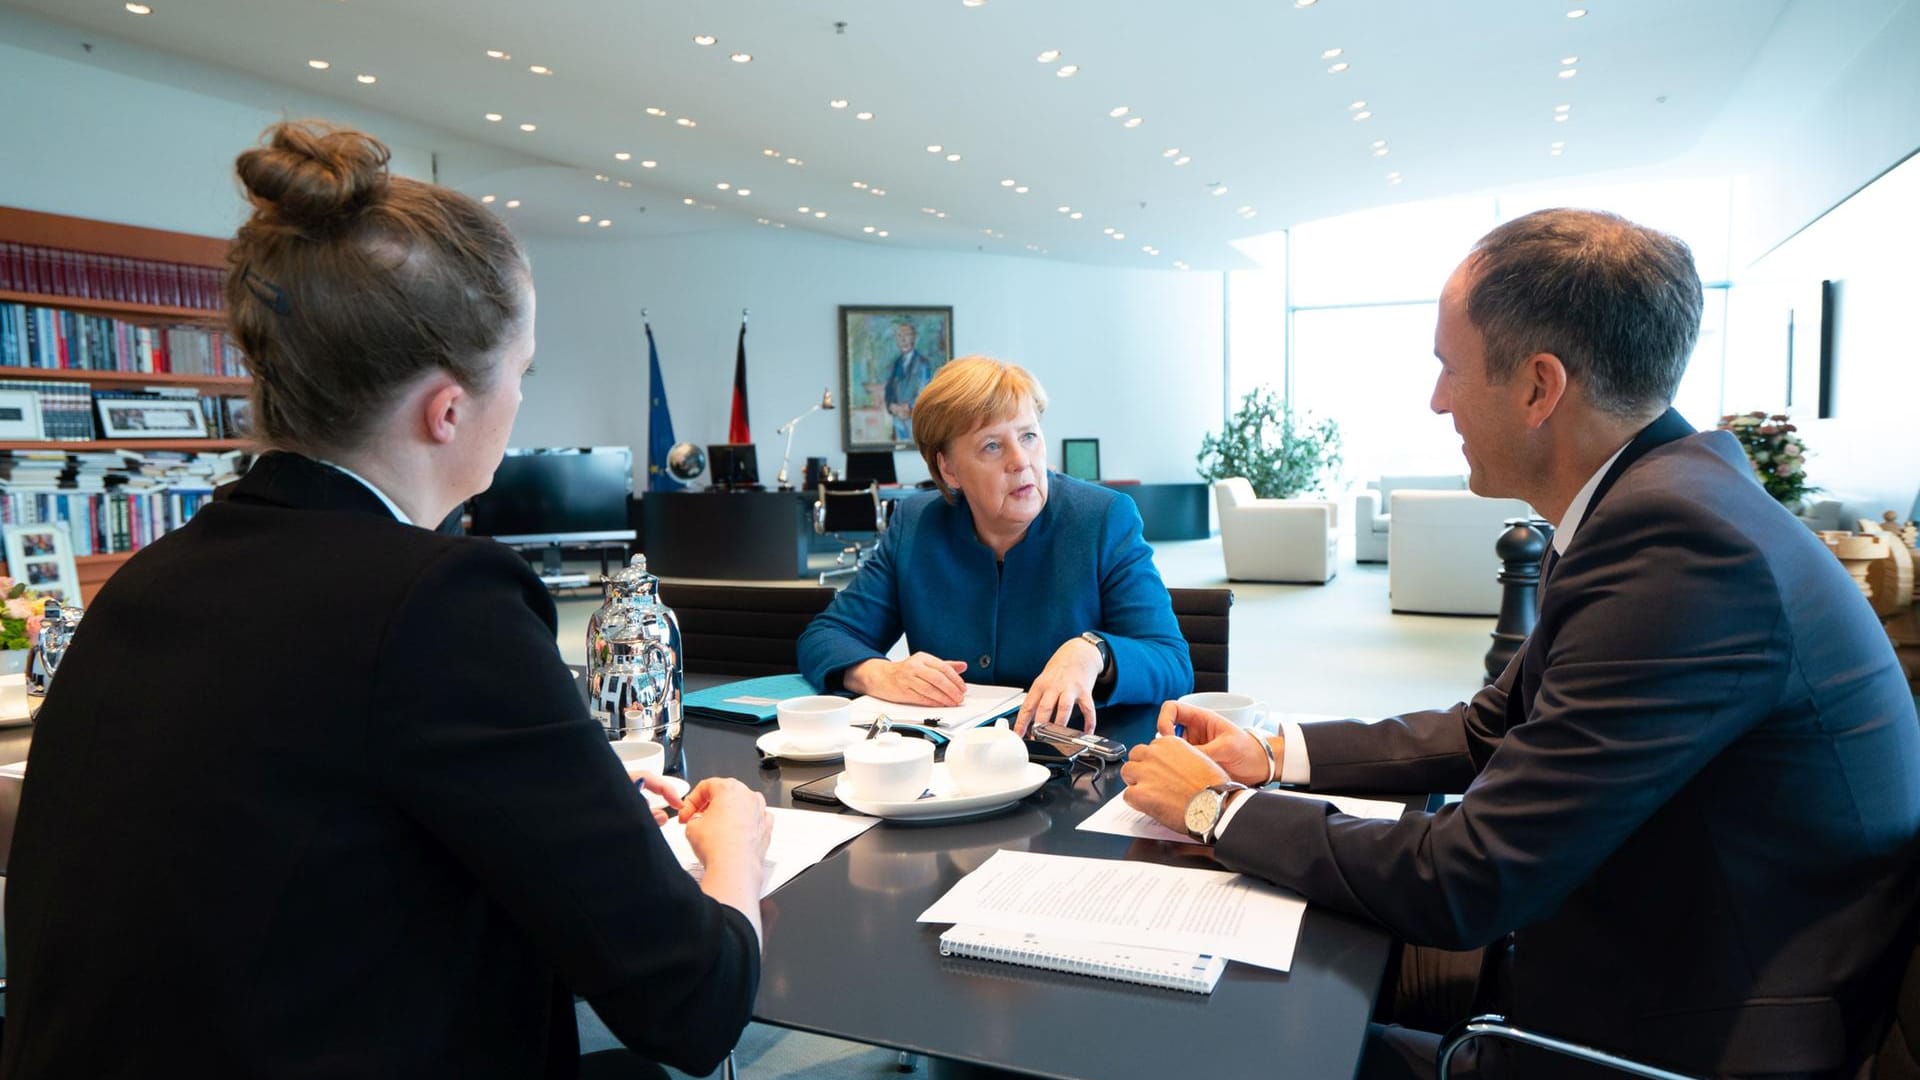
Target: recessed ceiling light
{"points": [[1556, 153], [495, 117], [1378, 143], [1577, 13], [1558, 143], [837, 103], [934, 148], [704, 39], [1304, 3], [622, 155], [877, 191], [1108, 230], [529, 127], [686, 122], [953, 157], [1362, 114], [1562, 108], [513, 204], [1560, 118], [139, 9], [805, 210], [655, 110], [860, 184], [1148, 248], [863, 116], [688, 201], [1067, 71], [724, 186], [819, 213], [741, 58], [602, 177], [540, 69], [1178, 265], [1064, 209], [1021, 190], [1329, 54], [584, 218], [1076, 215], [1048, 56], [743, 192], [1380, 151], [1569, 61], [1117, 111], [318, 65], [882, 232], [366, 80], [498, 55], [1182, 159], [1009, 182], [866, 228], [486, 198], [1335, 69], [648, 164], [604, 222], [1132, 122], [770, 152], [1357, 106], [1220, 189], [1244, 210], [1119, 236], [624, 183], [1568, 73], [795, 161], [1172, 151]]}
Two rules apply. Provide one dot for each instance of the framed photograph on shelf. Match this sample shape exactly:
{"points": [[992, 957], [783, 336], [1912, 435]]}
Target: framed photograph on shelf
{"points": [[151, 418], [1080, 458], [39, 556], [236, 417], [887, 354], [20, 415]]}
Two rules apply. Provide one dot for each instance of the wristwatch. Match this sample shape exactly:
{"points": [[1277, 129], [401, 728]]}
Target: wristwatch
{"points": [[1098, 642], [1205, 808]]}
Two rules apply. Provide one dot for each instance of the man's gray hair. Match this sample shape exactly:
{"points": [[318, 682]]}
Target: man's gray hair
{"points": [[1618, 303]]}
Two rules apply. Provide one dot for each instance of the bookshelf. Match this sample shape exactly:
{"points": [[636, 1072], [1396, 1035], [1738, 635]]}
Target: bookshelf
{"points": [[127, 242]]}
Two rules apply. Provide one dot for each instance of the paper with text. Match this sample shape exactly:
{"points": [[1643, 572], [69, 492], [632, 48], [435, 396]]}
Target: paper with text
{"points": [[982, 703], [1129, 903], [1118, 818], [801, 838]]}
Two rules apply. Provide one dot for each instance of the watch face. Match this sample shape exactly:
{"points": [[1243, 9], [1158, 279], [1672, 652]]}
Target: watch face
{"points": [[1202, 810]]}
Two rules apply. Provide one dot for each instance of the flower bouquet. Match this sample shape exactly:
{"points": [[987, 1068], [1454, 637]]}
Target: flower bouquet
{"points": [[1778, 455], [20, 619]]}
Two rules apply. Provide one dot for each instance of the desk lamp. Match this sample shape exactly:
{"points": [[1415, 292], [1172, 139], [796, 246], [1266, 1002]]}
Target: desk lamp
{"points": [[826, 402]]}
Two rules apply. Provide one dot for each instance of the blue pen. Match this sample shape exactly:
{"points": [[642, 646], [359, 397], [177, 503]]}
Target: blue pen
{"points": [[1179, 731]]}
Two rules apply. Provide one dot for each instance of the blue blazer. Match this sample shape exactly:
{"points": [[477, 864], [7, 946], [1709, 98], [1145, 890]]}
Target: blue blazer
{"points": [[1082, 566]]}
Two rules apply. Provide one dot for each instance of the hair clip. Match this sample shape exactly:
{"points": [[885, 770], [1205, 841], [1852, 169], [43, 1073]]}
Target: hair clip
{"points": [[267, 292]]}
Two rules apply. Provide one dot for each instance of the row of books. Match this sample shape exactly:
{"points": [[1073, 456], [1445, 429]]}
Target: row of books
{"points": [[103, 523], [33, 410], [55, 339], [86, 275], [112, 501]]}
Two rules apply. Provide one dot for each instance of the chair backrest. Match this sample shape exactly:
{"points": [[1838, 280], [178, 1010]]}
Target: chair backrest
{"points": [[1231, 492], [1203, 615], [1387, 485], [743, 629], [871, 465], [844, 506]]}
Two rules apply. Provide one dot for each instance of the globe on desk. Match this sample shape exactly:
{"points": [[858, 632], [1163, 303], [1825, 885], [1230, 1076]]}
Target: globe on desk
{"points": [[686, 461]]}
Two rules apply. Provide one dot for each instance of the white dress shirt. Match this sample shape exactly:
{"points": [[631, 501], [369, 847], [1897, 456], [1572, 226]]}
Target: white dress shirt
{"points": [[398, 514]]}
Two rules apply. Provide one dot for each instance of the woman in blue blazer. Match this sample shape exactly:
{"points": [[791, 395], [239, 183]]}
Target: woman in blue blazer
{"points": [[1009, 575]]}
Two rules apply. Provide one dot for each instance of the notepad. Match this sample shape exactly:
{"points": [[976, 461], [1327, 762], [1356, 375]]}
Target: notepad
{"points": [[982, 704], [748, 701], [1170, 968]]}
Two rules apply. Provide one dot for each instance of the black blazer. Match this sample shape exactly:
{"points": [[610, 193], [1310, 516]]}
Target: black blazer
{"points": [[314, 795], [1693, 797]]}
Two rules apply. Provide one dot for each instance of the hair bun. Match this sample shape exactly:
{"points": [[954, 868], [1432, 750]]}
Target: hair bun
{"points": [[310, 173]]}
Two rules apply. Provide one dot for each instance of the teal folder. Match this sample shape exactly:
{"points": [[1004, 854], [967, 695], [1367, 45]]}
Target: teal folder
{"points": [[749, 701]]}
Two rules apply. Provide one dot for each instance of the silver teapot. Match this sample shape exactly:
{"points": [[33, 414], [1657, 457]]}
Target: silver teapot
{"points": [[636, 672], [57, 625]]}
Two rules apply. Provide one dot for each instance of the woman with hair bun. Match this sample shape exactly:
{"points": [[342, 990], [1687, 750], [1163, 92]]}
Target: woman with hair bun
{"points": [[314, 794]]}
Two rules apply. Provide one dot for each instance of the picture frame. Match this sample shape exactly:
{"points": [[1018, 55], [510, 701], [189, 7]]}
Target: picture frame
{"points": [[1080, 459], [236, 417], [40, 556], [887, 355], [151, 418], [20, 416]]}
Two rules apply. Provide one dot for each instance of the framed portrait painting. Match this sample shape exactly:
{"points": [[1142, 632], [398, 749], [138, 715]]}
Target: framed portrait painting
{"points": [[887, 354]]}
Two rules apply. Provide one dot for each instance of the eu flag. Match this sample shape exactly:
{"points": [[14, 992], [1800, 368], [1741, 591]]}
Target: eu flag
{"points": [[659, 424]]}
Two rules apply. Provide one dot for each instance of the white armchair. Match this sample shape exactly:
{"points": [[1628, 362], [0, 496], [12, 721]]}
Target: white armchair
{"points": [[1275, 539], [1372, 510], [1441, 559]]}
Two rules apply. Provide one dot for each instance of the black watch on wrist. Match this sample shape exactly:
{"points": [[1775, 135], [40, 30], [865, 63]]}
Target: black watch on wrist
{"points": [[1205, 809], [1098, 642]]}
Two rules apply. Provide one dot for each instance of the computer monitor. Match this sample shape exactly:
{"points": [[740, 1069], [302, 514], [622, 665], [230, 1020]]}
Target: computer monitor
{"points": [[733, 465], [871, 467], [556, 496]]}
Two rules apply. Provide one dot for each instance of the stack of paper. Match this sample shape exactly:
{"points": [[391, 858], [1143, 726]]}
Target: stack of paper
{"points": [[982, 704], [801, 838]]}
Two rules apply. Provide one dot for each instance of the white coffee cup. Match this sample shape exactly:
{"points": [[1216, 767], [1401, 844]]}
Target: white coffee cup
{"points": [[640, 756], [1238, 708], [985, 759], [889, 767], [814, 721]]}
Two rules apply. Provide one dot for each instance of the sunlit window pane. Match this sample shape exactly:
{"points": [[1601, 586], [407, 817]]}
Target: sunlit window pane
{"points": [[1372, 369], [1393, 253]]}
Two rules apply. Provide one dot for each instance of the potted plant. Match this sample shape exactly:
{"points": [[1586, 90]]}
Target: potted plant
{"points": [[1280, 454], [1778, 455]]}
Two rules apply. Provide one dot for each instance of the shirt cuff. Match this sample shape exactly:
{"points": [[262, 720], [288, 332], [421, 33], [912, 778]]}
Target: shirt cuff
{"points": [[1235, 800], [1295, 766]]}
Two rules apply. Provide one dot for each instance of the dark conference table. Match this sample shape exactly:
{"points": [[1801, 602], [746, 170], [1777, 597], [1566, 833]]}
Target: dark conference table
{"points": [[845, 958]]}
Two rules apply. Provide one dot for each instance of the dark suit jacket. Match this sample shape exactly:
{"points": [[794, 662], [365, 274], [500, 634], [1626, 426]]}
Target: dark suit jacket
{"points": [[1693, 798], [314, 795]]}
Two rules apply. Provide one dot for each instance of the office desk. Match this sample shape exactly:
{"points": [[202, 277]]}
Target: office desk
{"points": [[845, 957]]}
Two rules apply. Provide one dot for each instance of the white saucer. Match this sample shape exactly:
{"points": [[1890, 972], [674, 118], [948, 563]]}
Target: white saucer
{"points": [[776, 743], [945, 803], [680, 787]]}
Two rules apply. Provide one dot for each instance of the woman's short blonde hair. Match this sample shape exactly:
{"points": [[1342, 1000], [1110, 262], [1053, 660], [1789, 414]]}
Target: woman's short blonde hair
{"points": [[967, 394]]}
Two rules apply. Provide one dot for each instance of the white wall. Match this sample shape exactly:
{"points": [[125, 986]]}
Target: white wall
{"points": [[1130, 357]]}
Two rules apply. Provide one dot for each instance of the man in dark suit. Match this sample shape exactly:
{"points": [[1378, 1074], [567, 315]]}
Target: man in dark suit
{"points": [[907, 375], [1692, 800]]}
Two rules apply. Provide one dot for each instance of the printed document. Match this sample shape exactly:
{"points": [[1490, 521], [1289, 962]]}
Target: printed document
{"points": [[1128, 903], [982, 703], [801, 838], [1118, 818]]}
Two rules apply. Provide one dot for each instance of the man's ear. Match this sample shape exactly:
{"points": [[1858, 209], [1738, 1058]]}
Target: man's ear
{"points": [[443, 404], [1543, 377]]}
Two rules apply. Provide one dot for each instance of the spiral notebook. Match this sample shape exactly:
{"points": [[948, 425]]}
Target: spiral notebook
{"points": [[1170, 968]]}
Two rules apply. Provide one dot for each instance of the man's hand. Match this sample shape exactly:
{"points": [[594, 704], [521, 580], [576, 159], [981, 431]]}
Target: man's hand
{"points": [[1234, 748], [1067, 681], [920, 679], [1164, 775]]}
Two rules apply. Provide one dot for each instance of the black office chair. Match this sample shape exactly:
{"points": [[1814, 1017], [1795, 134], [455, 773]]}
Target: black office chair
{"points": [[743, 629], [871, 466], [1203, 615], [846, 507]]}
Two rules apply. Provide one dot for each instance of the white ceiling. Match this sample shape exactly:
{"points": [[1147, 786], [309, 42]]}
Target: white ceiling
{"points": [[1464, 94]]}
